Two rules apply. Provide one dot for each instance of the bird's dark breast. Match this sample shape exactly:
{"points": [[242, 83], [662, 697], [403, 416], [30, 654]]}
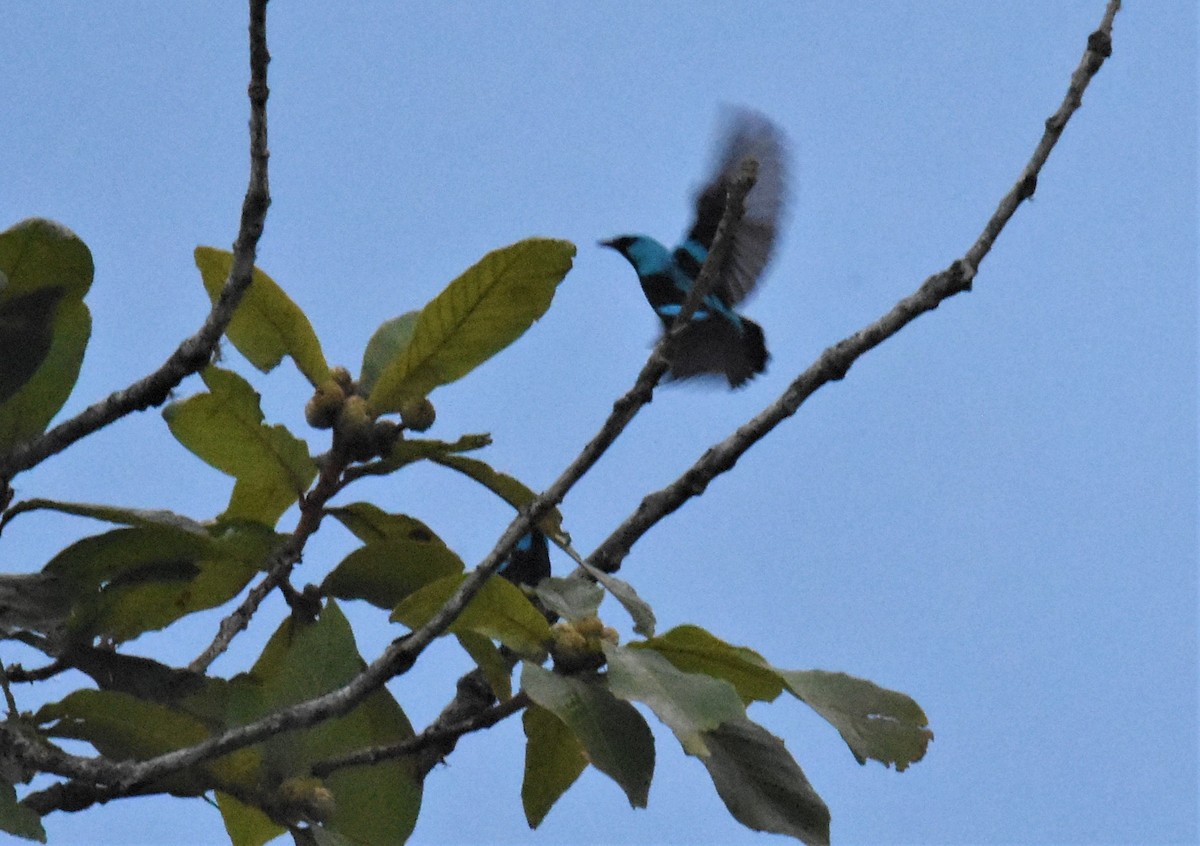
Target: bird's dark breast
{"points": [[660, 290]]}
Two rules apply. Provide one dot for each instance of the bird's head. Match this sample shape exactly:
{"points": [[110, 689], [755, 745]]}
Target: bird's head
{"points": [[645, 254]]}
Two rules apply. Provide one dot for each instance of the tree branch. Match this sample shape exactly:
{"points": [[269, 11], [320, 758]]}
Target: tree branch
{"points": [[835, 361], [194, 353]]}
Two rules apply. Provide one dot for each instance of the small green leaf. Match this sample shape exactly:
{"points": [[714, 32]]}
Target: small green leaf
{"points": [[500, 610], [478, 314], [245, 824], [267, 324], [689, 703], [694, 650], [388, 342], [17, 819], [876, 723], [225, 428], [509, 489], [638, 609], [385, 572], [573, 597], [554, 758], [370, 523], [762, 785], [495, 667]]}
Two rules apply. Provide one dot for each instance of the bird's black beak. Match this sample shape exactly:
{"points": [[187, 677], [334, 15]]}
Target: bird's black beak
{"points": [[612, 245]]}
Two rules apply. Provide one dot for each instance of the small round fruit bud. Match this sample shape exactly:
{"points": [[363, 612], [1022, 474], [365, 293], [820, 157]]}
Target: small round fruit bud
{"points": [[342, 376], [321, 411], [418, 415]]}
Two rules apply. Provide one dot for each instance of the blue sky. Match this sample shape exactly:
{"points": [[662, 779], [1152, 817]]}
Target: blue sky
{"points": [[994, 512]]}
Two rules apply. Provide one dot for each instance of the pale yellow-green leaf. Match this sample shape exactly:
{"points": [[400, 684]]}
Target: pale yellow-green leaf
{"points": [[478, 314], [267, 324]]}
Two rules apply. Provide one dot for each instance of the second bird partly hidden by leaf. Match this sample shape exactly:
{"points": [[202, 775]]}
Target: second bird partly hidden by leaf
{"points": [[718, 341]]}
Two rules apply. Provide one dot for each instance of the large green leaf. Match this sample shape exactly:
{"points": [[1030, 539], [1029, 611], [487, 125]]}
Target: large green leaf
{"points": [[689, 703], [128, 581], [225, 428], [17, 819], [500, 610], [694, 650], [478, 314], [616, 738], [385, 572], [554, 758], [375, 804], [26, 332], [762, 785], [267, 324], [122, 727], [876, 723]]}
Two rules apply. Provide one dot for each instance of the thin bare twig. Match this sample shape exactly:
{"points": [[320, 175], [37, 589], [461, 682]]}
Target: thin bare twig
{"points": [[440, 738], [194, 353], [280, 564], [835, 361]]}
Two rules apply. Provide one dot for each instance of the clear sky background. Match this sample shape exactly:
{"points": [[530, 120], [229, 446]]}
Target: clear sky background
{"points": [[995, 512]]}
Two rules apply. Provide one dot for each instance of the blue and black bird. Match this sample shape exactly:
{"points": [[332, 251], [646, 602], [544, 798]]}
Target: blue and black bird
{"points": [[529, 561], [719, 341]]}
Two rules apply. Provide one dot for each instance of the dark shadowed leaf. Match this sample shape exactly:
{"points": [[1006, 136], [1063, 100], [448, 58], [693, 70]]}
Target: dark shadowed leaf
{"points": [[554, 758], [28, 410], [476, 316], [16, 819], [500, 611], [761, 785], [26, 332], [694, 650], [225, 428], [385, 572], [614, 736], [45, 271], [389, 340], [875, 722], [639, 611], [689, 703], [267, 324]]}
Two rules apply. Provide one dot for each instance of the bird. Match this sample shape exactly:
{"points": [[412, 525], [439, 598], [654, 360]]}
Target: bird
{"points": [[529, 561], [719, 341]]}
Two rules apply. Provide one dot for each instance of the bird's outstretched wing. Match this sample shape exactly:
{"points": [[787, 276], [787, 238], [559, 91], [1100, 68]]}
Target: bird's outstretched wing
{"points": [[747, 134]]}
